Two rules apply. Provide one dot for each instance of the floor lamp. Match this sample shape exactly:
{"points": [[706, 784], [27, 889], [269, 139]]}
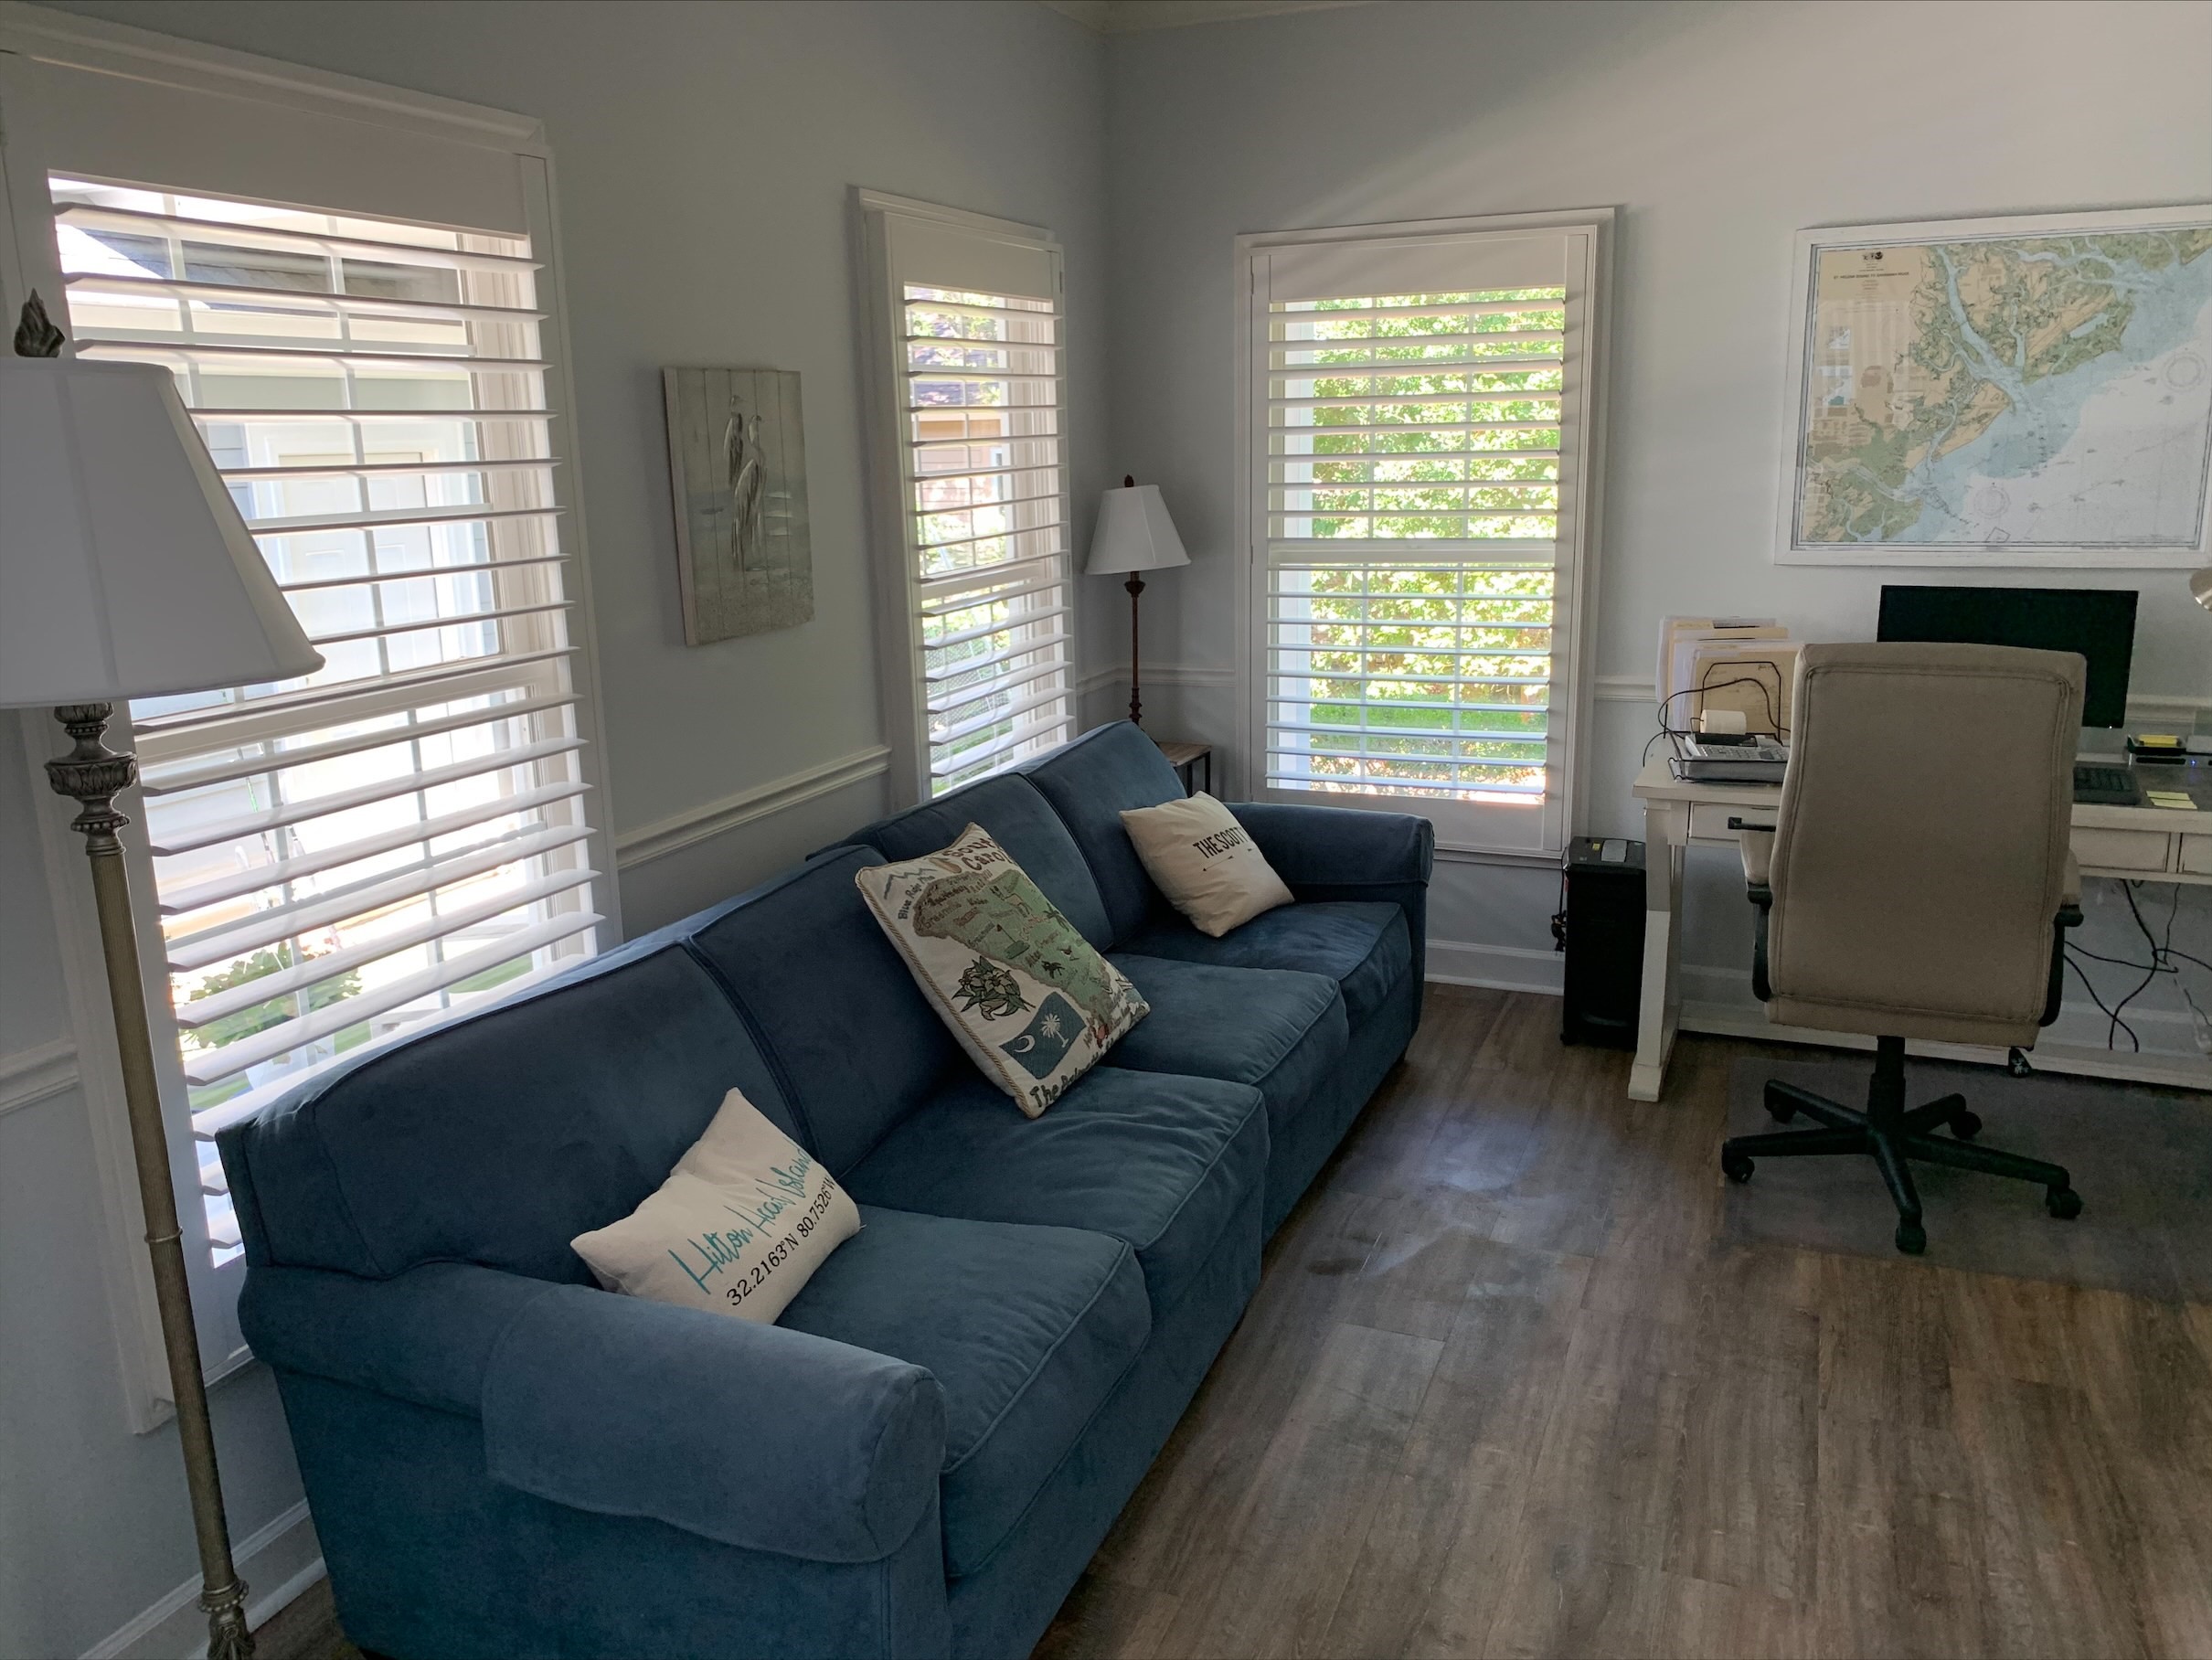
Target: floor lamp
{"points": [[125, 571], [1133, 535]]}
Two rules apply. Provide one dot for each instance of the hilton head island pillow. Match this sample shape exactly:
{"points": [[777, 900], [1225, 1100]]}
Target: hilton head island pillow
{"points": [[741, 1224], [1200, 856], [1029, 1000]]}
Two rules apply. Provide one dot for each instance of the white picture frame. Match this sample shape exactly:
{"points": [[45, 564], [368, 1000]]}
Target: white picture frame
{"points": [[2077, 503]]}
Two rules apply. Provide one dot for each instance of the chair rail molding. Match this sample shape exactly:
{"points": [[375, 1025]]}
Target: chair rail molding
{"points": [[1155, 673], [37, 1074], [633, 847]]}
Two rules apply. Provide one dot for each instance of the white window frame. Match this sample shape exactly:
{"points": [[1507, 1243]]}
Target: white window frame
{"points": [[27, 261], [892, 518], [1575, 580]]}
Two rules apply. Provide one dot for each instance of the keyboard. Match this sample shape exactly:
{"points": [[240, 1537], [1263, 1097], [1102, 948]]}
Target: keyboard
{"points": [[2097, 785]]}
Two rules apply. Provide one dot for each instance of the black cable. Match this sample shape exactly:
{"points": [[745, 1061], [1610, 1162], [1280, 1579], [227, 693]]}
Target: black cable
{"points": [[2158, 952], [1766, 691], [2090, 986]]}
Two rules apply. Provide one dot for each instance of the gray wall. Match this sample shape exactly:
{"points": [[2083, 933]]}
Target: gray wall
{"points": [[1718, 131], [704, 158]]}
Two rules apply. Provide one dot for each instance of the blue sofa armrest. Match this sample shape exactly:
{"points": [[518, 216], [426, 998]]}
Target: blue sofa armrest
{"points": [[1340, 847], [753, 1435], [1350, 853]]}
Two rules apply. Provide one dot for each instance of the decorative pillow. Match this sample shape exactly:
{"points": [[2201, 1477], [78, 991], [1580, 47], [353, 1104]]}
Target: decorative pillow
{"points": [[741, 1224], [1029, 1000], [1200, 856]]}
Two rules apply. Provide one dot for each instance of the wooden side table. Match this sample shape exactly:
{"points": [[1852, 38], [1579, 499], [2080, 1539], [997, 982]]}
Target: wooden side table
{"points": [[1186, 758]]}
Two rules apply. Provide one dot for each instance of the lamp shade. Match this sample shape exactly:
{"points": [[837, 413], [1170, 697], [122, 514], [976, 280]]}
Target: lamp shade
{"points": [[1133, 533], [126, 570]]}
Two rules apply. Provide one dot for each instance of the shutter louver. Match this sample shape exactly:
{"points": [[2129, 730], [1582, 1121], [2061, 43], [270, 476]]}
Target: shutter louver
{"points": [[1413, 530], [987, 527], [401, 835]]}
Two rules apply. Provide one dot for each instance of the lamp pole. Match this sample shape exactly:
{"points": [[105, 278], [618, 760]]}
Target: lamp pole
{"points": [[93, 775]]}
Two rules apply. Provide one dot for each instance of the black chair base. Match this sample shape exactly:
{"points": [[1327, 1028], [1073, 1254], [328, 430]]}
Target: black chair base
{"points": [[1892, 1135]]}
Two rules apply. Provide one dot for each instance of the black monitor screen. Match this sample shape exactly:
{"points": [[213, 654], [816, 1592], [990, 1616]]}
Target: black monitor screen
{"points": [[2098, 623]]}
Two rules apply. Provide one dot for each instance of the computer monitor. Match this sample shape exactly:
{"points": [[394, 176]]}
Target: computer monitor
{"points": [[2098, 622]]}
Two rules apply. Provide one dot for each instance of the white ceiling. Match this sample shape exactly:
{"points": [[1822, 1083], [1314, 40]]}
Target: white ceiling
{"points": [[1127, 16]]}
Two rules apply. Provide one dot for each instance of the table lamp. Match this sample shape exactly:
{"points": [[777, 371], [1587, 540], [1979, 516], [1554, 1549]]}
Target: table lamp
{"points": [[1133, 535], [125, 571]]}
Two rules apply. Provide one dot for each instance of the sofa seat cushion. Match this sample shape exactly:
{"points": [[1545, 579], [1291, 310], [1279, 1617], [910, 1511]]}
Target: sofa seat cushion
{"points": [[1027, 1329], [1159, 1161], [1361, 944], [1279, 1030]]}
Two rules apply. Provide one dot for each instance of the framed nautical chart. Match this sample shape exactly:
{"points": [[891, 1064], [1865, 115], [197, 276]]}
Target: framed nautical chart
{"points": [[2033, 391]]}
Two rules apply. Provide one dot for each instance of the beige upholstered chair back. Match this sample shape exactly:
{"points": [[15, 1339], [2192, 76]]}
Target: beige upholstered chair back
{"points": [[1922, 849]]}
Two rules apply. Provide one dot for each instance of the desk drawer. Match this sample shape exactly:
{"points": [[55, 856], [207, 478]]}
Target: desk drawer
{"points": [[2127, 850], [1709, 823], [2197, 854]]}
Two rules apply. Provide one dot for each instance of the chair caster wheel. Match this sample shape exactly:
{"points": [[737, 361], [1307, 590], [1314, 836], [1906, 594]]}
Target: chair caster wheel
{"points": [[2063, 1203], [1736, 1166], [1966, 1126], [1911, 1238], [1780, 1108]]}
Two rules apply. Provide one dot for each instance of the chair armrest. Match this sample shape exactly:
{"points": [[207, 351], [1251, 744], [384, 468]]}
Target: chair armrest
{"points": [[622, 1407], [2070, 916], [1757, 847], [1339, 847]]}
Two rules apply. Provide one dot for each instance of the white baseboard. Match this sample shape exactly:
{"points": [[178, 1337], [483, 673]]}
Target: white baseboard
{"points": [[1503, 968], [277, 1562]]}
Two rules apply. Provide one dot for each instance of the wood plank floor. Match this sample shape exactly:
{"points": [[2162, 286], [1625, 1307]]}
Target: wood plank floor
{"points": [[1504, 1392]]}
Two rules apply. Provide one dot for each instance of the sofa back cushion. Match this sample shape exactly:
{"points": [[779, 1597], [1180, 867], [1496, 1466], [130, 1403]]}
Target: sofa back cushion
{"points": [[1021, 820], [855, 1044], [1089, 783], [499, 1138]]}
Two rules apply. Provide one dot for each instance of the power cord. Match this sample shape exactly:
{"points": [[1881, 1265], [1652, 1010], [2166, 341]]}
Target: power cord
{"points": [[2164, 960], [1765, 691]]}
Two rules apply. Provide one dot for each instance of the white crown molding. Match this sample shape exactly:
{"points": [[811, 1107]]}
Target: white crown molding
{"points": [[29, 1076], [714, 818], [1131, 17], [118, 48]]}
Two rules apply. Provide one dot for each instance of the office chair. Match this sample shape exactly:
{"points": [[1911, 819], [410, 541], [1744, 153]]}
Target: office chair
{"points": [[1917, 884]]}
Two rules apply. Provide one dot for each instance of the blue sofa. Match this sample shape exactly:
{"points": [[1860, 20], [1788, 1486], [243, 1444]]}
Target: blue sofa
{"points": [[922, 1454]]}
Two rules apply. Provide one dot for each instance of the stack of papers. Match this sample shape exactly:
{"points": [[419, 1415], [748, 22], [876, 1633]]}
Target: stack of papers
{"points": [[1726, 663]]}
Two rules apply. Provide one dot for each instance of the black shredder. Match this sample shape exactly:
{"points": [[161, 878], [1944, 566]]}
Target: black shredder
{"points": [[1602, 931]]}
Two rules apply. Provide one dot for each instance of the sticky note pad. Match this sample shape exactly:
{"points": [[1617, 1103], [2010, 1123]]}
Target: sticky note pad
{"points": [[2168, 798], [2157, 740]]}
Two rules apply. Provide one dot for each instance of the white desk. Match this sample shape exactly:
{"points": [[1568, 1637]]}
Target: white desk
{"points": [[2138, 843]]}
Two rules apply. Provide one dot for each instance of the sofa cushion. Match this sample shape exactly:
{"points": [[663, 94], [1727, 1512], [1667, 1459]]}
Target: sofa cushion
{"points": [[1029, 999], [1361, 944], [1160, 1161], [1089, 783], [1022, 822], [1027, 1329], [1278, 1030], [500, 1137], [855, 1044]]}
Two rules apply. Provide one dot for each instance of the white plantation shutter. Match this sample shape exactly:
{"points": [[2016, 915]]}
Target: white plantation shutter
{"points": [[403, 835], [971, 458], [1421, 416]]}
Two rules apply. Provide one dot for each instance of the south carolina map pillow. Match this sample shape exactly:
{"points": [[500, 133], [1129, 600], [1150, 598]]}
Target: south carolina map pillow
{"points": [[1031, 1001]]}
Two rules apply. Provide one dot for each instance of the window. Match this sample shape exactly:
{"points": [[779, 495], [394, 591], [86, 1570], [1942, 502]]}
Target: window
{"points": [[972, 470], [342, 858], [1421, 414]]}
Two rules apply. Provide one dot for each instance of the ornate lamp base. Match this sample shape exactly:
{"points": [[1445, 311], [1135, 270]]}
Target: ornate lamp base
{"points": [[93, 775]]}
